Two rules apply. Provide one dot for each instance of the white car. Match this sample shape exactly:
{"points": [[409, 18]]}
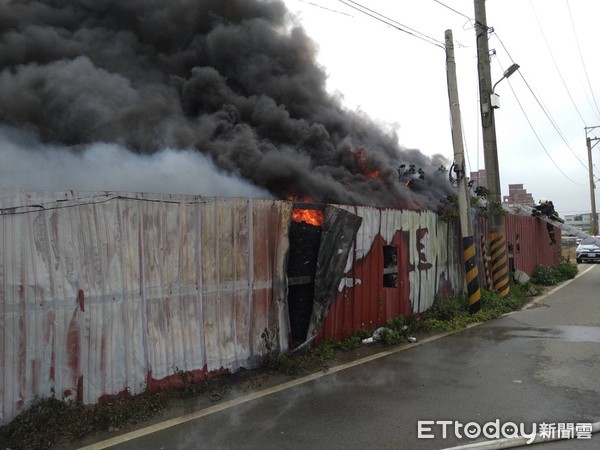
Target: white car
{"points": [[588, 250]]}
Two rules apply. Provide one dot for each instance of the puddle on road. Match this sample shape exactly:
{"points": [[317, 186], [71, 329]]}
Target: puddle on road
{"points": [[571, 333]]}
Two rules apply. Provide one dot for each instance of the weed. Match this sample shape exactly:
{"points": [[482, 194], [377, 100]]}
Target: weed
{"points": [[433, 324], [50, 421], [362, 333], [448, 209], [400, 325], [549, 276], [187, 379], [449, 308], [286, 363], [353, 342], [390, 337], [269, 338]]}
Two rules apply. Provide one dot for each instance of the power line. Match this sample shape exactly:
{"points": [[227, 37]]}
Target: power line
{"points": [[535, 132], [555, 63], [325, 8], [527, 118], [470, 20], [454, 10], [544, 110], [581, 56], [392, 23]]}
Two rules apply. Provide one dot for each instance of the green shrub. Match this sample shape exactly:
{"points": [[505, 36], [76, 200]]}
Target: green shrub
{"points": [[400, 325], [549, 276], [351, 343], [492, 301], [449, 308], [566, 270], [544, 276], [390, 337], [363, 334]]}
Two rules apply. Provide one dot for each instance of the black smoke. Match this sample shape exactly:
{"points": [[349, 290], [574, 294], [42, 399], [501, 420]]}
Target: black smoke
{"points": [[231, 79]]}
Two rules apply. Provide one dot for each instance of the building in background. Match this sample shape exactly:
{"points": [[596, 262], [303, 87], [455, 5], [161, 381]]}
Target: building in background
{"points": [[478, 178], [518, 195], [581, 221]]}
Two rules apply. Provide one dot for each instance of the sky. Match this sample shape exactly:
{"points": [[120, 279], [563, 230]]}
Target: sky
{"points": [[399, 79]]}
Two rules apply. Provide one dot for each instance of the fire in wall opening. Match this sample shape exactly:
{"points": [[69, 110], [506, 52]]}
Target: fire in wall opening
{"points": [[305, 240]]}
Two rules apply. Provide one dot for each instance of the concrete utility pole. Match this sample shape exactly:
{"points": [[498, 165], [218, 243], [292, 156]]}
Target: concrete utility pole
{"points": [[464, 205], [498, 253], [594, 216]]}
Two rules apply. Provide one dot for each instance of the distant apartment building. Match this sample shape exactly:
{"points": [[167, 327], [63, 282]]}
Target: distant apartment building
{"points": [[581, 221], [478, 178], [518, 195]]}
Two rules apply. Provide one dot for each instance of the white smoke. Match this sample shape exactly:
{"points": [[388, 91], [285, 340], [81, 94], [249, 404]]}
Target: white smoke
{"points": [[29, 164]]}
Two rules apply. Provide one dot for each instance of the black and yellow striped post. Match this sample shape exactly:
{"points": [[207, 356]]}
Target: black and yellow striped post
{"points": [[464, 204], [499, 258], [486, 264], [472, 274]]}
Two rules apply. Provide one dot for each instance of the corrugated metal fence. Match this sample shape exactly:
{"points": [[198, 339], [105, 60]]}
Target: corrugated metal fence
{"points": [[113, 293], [428, 257], [103, 294], [527, 242]]}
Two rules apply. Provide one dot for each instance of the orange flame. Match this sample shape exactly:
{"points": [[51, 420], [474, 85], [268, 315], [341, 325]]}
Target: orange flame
{"points": [[360, 157], [309, 216]]}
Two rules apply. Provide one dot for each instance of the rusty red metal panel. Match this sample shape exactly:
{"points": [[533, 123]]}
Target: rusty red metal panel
{"points": [[527, 242], [530, 243], [429, 264], [350, 310]]}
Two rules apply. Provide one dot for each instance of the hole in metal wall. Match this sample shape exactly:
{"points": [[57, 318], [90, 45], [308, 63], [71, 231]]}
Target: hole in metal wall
{"points": [[390, 266], [305, 240]]}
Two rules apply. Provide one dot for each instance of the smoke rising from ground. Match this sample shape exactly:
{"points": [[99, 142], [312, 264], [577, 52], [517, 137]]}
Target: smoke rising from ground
{"points": [[235, 81]]}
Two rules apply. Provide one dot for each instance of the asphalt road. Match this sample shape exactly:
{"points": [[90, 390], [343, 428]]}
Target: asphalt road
{"points": [[537, 366]]}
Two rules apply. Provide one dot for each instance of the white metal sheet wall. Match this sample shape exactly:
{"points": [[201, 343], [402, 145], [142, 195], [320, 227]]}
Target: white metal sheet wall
{"points": [[101, 292], [429, 238]]}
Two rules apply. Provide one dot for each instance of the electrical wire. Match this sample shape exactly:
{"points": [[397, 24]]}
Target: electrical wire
{"points": [[555, 63], [325, 8], [477, 127], [536, 134], [581, 57], [470, 20], [454, 10], [544, 110], [392, 23], [552, 121], [464, 138]]}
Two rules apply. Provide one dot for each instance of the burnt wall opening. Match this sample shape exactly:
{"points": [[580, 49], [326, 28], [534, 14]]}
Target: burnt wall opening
{"points": [[390, 266], [305, 240]]}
